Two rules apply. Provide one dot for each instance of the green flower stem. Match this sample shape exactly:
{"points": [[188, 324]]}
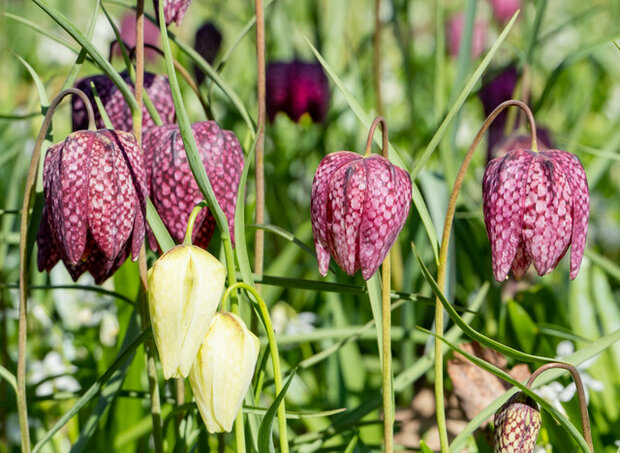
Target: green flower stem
{"points": [[581, 395], [22, 405], [273, 351], [187, 240], [443, 257]]}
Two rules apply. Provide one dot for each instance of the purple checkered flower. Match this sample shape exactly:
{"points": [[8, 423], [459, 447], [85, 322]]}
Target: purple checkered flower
{"points": [[535, 206], [296, 88], [174, 10], [172, 186], [358, 207], [156, 86], [207, 43], [517, 424], [95, 194]]}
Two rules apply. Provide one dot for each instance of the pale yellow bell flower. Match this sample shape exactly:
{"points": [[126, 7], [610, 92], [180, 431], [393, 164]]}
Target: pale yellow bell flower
{"points": [[185, 287], [223, 370]]}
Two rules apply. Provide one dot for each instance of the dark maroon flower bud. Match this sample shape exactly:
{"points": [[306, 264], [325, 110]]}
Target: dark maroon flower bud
{"points": [[95, 194], [358, 207], [156, 86], [174, 10], [493, 92], [517, 424], [535, 206], [296, 88], [455, 28], [503, 10], [518, 140], [128, 35], [207, 43], [172, 186]]}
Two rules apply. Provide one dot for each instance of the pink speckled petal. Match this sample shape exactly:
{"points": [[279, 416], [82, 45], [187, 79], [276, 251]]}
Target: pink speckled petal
{"points": [[571, 165], [111, 197], [70, 212], [318, 203], [522, 261], [386, 205], [504, 191], [345, 204], [547, 221], [47, 255]]}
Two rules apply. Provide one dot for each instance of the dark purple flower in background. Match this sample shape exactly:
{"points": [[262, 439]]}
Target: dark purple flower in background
{"points": [[517, 424], [520, 140], [358, 207], [503, 10], [174, 10], [128, 35], [296, 88], [156, 86], [95, 194], [493, 92], [172, 186], [455, 28], [207, 43], [536, 204]]}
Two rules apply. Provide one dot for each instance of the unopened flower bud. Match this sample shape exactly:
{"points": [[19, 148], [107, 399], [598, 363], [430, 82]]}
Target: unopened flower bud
{"points": [[185, 286], [223, 370], [517, 424]]}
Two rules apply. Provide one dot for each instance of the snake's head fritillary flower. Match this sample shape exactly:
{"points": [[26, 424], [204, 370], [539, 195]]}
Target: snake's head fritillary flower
{"points": [[174, 10], [128, 35], [535, 206], [223, 370], [172, 186], [517, 424], [358, 207], [185, 286], [95, 194], [503, 10], [156, 86], [207, 43], [296, 88], [455, 29]]}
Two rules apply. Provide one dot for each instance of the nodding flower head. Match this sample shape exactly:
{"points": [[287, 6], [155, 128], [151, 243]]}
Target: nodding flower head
{"points": [[172, 186], [174, 10], [517, 424], [156, 86], [296, 88], [535, 206], [207, 43], [358, 207], [94, 184]]}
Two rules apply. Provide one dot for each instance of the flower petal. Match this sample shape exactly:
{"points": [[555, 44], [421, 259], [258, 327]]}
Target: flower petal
{"points": [[547, 221], [571, 165], [503, 195], [522, 261]]}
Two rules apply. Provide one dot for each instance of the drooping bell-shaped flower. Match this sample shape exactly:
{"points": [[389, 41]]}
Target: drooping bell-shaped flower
{"points": [[455, 29], [296, 88], [517, 424], [185, 286], [95, 194], [223, 370], [207, 42], [535, 206], [358, 207], [174, 10], [156, 86], [503, 10], [172, 187]]}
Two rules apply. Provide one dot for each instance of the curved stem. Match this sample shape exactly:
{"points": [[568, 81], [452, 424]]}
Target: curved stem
{"points": [[191, 221], [259, 237], [371, 133], [443, 257], [22, 405], [581, 395], [273, 351]]}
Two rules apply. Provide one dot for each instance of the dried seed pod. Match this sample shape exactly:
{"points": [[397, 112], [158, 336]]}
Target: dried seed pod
{"points": [[517, 424], [95, 193], [358, 207], [535, 206]]}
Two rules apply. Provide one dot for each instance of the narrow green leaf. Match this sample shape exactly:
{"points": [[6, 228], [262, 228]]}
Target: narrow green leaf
{"points": [[241, 249], [265, 441], [43, 99], [158, 228], [104, 115], [9, 377]]}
